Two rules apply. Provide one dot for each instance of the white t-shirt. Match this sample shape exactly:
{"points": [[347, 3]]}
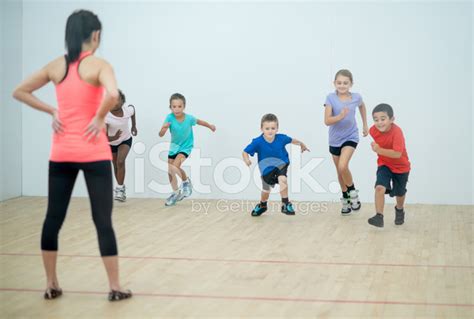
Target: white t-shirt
{"points": [[116, 123]]}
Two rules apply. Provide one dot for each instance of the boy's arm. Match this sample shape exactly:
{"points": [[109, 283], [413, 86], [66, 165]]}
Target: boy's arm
{"points": [[301, 144], [164, 128], [246, 158], [134, 122], [363, 115], [331, 120], [204, 123], [385, 152]]}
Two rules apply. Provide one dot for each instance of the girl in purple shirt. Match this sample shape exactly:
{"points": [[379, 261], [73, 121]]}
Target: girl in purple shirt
{"points": [[339, 115]]}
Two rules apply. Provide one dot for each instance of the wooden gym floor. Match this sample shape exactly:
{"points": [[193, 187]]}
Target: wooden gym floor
{"points": [[186, 262]]}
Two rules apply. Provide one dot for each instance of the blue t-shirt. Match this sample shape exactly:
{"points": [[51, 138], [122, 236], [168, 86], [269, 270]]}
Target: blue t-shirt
{"points": [[346, 129], [182, 138], [270, 155]]}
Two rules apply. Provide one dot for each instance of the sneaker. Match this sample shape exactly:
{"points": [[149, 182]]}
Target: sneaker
{"points": [[399, 216], [120, 194], [180, 196], [288, 209], [354, 198], [258, 210], [187, 188], [171, 201], [376, 221], [346, 206]]}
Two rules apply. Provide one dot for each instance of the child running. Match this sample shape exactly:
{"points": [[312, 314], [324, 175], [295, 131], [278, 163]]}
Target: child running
{"points": [[182, 142], [339, 115], [393, 164], [120, 141], [273, 162]]}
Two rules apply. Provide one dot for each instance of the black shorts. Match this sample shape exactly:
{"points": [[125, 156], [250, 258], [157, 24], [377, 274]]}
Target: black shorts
{"points": [[176, 155], [394, 183], [115, 147], [337, 150], [270, 179]]}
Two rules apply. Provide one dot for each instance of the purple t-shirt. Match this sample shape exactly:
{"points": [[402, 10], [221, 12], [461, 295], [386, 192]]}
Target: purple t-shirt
{"points": [[346, 129]]}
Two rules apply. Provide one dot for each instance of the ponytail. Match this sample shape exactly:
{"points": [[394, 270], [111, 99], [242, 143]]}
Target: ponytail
{"points": [[79, 28]]}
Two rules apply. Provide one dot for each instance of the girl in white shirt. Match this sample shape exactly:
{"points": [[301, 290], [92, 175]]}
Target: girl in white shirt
{"points": [[120, 140]]}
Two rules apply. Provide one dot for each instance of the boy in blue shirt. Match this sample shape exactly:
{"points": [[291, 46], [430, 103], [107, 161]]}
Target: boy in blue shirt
{"points": [[273, 162], [182, 142]]}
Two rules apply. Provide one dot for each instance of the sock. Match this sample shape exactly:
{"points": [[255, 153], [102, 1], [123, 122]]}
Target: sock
{"points": [[400, 210], [350, 188], [263, 204], [285, 200], [120, 186], [345, 194], [380, 214]]}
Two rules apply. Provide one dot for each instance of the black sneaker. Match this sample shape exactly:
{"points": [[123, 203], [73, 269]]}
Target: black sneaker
{"points": [[376, 221], [288, 209], [399, 216], [259, 210]]}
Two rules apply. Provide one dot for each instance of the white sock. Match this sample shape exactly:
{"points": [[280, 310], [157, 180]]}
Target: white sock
{"points": [[121, 186]]}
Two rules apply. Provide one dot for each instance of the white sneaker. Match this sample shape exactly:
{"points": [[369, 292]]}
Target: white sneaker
{"points": [[120, 194], [173, 198], [187, 188], [346, 206], [355, 202]]}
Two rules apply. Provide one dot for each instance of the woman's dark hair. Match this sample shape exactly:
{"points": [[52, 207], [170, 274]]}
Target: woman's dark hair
{"points": [[79, 28]]}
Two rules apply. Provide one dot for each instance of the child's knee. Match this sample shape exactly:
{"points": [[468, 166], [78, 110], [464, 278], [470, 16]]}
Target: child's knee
{"points": [[342, 167], [380, 189], [282, 179]]}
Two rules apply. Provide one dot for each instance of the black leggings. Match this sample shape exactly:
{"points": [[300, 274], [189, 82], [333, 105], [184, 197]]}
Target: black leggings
{"points": [[62, 176]]}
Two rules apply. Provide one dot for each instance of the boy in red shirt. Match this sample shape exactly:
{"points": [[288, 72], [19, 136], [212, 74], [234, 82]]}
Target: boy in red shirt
{"points": [[393, 164]]}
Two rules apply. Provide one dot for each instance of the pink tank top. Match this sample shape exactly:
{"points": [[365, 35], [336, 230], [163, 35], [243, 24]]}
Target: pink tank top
{"points": [[78, 102]]}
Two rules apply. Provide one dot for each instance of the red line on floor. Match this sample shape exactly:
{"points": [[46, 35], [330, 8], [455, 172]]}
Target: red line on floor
{"points": [[257, 298], [258, 261]]}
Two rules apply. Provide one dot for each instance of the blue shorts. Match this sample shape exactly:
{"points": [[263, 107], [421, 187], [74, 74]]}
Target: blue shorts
{"points": [[394, 183]]}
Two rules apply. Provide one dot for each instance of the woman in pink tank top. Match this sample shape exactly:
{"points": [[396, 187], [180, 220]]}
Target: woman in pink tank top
{"points": [[86, 90]]}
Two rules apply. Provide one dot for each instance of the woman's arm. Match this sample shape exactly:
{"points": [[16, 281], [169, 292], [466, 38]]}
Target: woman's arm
{"points": [[24, 93], [106, 79]]}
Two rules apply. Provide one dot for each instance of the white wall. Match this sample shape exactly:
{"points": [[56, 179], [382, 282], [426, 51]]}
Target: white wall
{"points": [[10, 110], [236, 61]]}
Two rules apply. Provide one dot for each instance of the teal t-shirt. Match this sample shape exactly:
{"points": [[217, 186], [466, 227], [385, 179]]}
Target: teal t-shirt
{"points": [[182, 138]]}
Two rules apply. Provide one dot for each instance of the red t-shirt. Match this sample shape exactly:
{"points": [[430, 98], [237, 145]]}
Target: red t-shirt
{"points": [[392, 140]]}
